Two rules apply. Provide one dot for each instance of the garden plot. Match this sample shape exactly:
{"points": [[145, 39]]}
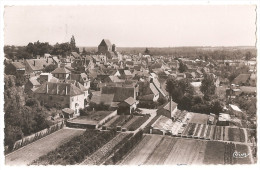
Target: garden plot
{"points": [[203, 132], [130, 122], [243, 149], [214, 153], [120, 120], [236, 134], [199, 118], [141, 152], [33, 151], [77, 149], [138, 122], [186, 130], [110, 122], [218, 133], [161, 153], [100, 155], [167, 150], [186, 151], [225, 133], [212, 132], [198, 130]]}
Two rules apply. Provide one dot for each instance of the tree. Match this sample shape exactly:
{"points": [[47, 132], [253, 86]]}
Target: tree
{"points": [[38, 48], [185, 103], [84, 52], [50, 68], [147, 51], [73, 45], [62, 49], [248, 56], [186, 87], [173, 89], [208, 87], [182, 67], [178, 88], [216, 107]]}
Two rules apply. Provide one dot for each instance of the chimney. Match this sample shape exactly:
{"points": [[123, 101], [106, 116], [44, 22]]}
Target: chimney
{"points": [[33, 62], [47, 88], [66, 90]]}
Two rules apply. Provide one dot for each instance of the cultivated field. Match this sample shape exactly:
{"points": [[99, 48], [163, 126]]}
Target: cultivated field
{"points": [[101, 154], [141, 152], [199, 118], [167, 150], [31, 152]]}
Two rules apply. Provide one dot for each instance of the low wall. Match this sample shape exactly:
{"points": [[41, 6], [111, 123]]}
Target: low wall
{"points": [[104, 120], [92, 126], [82, 126]]}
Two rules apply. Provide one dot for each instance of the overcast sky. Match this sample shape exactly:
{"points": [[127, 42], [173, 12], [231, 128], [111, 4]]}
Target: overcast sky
{"points": [[132, 26]]}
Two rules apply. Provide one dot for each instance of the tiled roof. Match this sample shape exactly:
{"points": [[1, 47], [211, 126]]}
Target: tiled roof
{"points": [[127, 73], [108, 43], [75, 54], [129, 63], [78, 77], [148, 97], [39, 64], [102, 98], [153, 89], [167, 106], [120, 93], [115, 79], [157, 85], [18, 65], [241, 78], [59, 89], [68, 110], [34, 81], [130, 100], [60, 70], [80, 86]]}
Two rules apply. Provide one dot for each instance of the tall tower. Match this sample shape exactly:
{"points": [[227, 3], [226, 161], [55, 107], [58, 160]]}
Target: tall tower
{"points": [[114, 48]]}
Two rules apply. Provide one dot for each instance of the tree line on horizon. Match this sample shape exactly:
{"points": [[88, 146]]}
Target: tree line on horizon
{"points": [[63, 49]]}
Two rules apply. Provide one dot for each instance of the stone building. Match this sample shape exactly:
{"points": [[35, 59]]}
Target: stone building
{"points": [[65, 95]]}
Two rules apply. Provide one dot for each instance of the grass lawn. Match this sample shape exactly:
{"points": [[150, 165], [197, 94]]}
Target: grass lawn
{"points": [[33, 151]]}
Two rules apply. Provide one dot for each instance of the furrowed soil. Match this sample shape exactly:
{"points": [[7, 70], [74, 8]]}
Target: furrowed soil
{"points": [[33, 151]]}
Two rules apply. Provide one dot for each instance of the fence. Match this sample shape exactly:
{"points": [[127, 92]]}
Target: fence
{"points": [[29, 139]]}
